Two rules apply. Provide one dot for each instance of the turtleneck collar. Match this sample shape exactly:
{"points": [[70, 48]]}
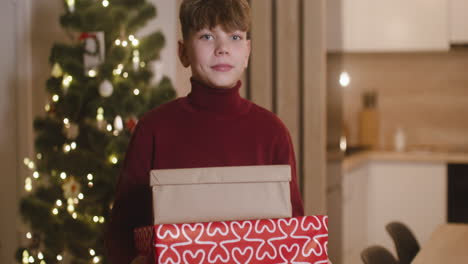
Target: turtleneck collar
{"points": [[219, 100]]}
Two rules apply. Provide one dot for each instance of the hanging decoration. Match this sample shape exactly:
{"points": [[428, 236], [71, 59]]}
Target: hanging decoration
{"points": [[105, 88], [71, 5], [93, 51]]}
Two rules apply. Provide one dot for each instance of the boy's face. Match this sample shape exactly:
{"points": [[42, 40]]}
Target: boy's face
{"points": [[217, 58]]}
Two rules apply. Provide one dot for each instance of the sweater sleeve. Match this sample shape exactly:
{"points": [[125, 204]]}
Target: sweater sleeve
{"points": [[284, 154], [132, 204]]}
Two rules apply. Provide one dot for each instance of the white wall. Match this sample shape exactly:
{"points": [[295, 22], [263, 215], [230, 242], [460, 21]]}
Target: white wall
{"points": [[8, 205]]}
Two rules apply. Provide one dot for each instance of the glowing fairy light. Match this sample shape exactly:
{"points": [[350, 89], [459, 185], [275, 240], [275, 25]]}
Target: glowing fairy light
{"points": [[59, 203], [28, 235], [59, 257], [39, 156], [124, 43], [131, 37], [67, 81], [90, 184], [125, 74], [113, 159], [70, 208], [63, 175], [74, 215], [96, 219], [135, 43], [136, 92], [101, 219], [55, 98], [36, 175], [31, 259], [90, 177], [109, 127], [66, 148], [117, 42], [28, 184], [81, 196], [73, 145], [47, 107], [92, 73], [95, 259], [40, 255], [55, 211], [105, 3]]}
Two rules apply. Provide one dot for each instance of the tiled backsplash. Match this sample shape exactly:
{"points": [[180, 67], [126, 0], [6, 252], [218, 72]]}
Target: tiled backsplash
{"points": [[426, 94]]}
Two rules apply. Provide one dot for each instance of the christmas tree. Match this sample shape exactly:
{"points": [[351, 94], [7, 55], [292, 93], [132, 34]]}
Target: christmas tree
{"points": [[100, 83]]}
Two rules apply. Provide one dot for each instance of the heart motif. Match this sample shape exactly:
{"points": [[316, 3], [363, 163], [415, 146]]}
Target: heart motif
{"points": [[266, 250], [261, 226], [168, 256], [241, 229], [288, 226], [167, 230], [194, 258], [193, 231], [289, 254], [217, 227], [242, 256]]}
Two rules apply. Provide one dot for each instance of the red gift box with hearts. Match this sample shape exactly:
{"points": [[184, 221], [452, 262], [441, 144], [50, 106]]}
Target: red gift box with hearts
{"points": [[289, 240]]}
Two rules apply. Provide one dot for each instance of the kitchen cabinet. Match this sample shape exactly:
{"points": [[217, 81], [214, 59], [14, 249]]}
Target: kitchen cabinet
{"points": [[387, 26], [458, 14], [378, 190]]}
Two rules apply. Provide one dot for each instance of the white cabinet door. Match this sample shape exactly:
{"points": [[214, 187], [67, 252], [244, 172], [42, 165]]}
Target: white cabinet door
{"points": [[458, 12], [414, 193], [382, 25]]}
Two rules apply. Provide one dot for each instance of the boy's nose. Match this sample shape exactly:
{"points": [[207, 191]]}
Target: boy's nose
{"points": [[221, 49]]}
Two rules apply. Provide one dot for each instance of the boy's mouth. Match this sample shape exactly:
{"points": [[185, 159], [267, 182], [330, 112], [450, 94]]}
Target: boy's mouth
{"points": [[222, 67]]}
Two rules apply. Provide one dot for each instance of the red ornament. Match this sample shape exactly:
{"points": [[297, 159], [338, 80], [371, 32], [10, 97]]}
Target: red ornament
{"points": [[130, 123]]}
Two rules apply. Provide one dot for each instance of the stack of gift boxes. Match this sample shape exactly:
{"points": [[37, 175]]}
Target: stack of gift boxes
{"points": [[229, 215]]}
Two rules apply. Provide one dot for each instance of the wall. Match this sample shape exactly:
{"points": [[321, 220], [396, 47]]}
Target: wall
{"points": [[424, 93], [8, 138]]}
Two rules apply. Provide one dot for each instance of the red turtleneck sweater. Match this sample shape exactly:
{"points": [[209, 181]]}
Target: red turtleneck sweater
{"points": [[208, 128]]}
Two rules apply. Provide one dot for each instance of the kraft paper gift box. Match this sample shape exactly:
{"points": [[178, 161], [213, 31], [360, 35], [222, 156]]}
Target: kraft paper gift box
{"points": [[289, 240], [221, 193]]}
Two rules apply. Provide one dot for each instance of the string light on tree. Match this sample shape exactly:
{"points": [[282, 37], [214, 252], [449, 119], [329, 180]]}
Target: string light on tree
{"points": [[55, 98], [59, 257], [92, 252], [124, 43], [105, 3], [40, 255], [67, 79], [28, 184], [117, 42], [136, 91], [136, 59], [55, 211], [28, 235], [92, 73], [25, 256], [31, 259], [71, 5], [36, 175], [113, 159]]}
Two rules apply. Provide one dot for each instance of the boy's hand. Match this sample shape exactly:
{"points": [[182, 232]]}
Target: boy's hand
{"points": [[140, 260]]}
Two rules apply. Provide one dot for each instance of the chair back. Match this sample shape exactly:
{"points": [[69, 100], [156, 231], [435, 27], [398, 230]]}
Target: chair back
{"points": [[405, 242], [377, 255]]}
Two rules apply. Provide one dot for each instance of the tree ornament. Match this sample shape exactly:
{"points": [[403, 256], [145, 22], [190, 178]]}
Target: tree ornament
{"points": [[130, 123], [118, 124], [94, 52], [71, 188], [136, 60], [57, 71], [105, 88], [71, 131]]}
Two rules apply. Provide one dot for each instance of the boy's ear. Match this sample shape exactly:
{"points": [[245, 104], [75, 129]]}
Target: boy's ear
{"points": [[183, 54]]}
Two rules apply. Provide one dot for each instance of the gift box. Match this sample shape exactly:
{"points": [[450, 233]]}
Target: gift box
{"points": [[214, 194], [288, 240]]}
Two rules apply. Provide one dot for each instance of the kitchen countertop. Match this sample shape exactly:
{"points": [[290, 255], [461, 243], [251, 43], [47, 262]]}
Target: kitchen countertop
{"points": [[354, 160]]}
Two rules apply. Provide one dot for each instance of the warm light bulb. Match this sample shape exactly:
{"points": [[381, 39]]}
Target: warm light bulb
{"points": [[74, 215], [28, 235], [90, 184], [63, 175], [66, 121], [101, 219], [67, 80], [92, 73], [96, 219], [92, 252], [36, 175], [136, 92], [142, 64], [55, 211], [55, 98], [105, 3], [28, 184], [345, 79], [125, 74], [90, 177], [31, 259], [70, 208], [66, 148], [109, 127], [31, 165], [73, 145], [26, 161], [124, 43], [40, 255], [81, 196], [113, 159], [39, 156], [59, 203], [135, 42], [117, 42], [131, 37], [59, 257], [47, 107], [95, 259]]}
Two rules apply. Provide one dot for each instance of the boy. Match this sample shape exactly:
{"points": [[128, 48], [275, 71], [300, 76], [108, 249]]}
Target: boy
{"points": [[212, 126]]}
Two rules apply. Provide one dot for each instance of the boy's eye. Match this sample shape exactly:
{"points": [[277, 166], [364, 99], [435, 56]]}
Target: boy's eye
{"points": [[206, 36], [236, 37]]}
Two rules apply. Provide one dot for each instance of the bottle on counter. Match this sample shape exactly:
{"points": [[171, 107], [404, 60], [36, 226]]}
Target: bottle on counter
{"points": [[399, 140], [369, 121]]}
